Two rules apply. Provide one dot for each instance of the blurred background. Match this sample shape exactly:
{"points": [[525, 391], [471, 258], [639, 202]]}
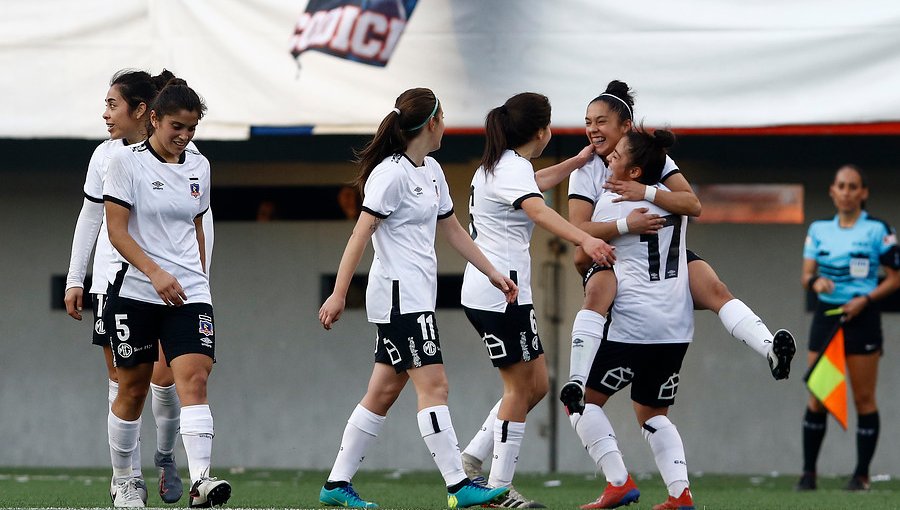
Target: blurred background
{"points": [[768, 100]]}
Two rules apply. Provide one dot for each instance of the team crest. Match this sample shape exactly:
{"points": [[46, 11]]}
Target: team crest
{"points": [[206, 325], [195, 190]]}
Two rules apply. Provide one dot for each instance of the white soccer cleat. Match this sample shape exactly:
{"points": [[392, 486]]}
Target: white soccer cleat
{"points": [[208, 492], [126, 494]]}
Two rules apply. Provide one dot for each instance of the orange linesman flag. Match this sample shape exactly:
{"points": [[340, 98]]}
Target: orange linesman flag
{"points": [[827, 379]]}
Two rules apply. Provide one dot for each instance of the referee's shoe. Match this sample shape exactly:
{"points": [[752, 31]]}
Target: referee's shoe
{"points": [[783, 349]]}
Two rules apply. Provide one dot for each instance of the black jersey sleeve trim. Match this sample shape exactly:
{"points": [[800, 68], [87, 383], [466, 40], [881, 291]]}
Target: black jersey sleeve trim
{"points": [[201, 214], [93, 199], [518, 203], [109, 198], [375, 213], [576, 196], [670, 174], [445, 215]]}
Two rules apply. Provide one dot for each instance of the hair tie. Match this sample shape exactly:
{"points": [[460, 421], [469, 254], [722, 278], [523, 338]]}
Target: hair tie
{"points": [[397, 111], [630, 114], [437, 105]]}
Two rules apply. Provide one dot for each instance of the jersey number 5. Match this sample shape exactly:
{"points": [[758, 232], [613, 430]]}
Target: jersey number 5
{"points": [[672, 253]]}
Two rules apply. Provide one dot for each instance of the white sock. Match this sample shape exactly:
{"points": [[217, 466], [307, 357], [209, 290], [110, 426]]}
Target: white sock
{"points": [[508, 437], [587, 333], [668, 451], [743, 324], [112, 391], [599, 439], [123, 442], [167, 413], [482, 444], [437, 431], [197, 434], [362, 428]]}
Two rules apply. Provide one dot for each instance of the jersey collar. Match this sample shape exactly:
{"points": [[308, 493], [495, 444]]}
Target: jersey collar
{"points": [[149, 147]]}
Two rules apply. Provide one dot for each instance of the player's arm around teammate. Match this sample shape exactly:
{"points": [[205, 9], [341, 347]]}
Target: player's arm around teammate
{"points": [[841, 260], [406, 197], [609, 116], [161, 293]]}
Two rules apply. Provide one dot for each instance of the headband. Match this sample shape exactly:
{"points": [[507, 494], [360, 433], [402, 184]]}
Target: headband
{"points": [[630, 114], [437, 104]]}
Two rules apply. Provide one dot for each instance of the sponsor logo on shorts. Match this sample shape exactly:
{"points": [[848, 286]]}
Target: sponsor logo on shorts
{"points": [[534, 343], [669, 388], [206, 342], [617, 378], [99, 328], [430, 348], [523, 343], [206, 325], [495, 347], [416, 360], [125, 350]]}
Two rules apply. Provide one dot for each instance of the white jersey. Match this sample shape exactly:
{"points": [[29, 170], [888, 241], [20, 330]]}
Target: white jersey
{"points": [[502, 230], [409, 200], [586, 183], [653, 301], [163, 199]]}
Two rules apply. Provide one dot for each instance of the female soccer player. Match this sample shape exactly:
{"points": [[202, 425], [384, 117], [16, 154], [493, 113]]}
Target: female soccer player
{"points": [[506, 202], [651, 281], [156, 193], [406, 199], [841, 259], [127, 110]]}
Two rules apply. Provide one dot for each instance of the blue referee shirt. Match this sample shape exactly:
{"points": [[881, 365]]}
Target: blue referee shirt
{"points": [[850, 257]]}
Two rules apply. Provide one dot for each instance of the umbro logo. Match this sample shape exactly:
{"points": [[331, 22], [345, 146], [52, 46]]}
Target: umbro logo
{"points": [[418, 190], [158, 184]]}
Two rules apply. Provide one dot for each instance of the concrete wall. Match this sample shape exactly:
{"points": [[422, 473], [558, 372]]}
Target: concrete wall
{"points": [[283, 387]]}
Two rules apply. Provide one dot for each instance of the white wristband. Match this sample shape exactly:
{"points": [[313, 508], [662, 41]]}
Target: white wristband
{"points": [[622, 225], [650, 193]]}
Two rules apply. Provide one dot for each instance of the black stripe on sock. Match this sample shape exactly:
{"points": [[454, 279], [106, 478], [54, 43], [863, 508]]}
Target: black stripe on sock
{"points": [[648, 428], [434, 422], [504, 430], [334, 485]]}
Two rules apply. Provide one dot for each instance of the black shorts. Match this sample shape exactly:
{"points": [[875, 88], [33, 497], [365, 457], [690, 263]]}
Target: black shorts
{"points": [[594, 269], [134, 327], [408, 341], [651, 369], [99, 337], [691, 256], [510, 336], [862, 335]]}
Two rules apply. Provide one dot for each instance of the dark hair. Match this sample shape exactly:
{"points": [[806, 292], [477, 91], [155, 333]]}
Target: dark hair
{"points": [[176, 96], [648, 151], [416, 107], [138, 87], [622, 96], [513, 124], [862, 177]]}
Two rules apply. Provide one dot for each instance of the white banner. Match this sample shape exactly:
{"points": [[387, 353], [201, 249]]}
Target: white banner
{"points": [[692, 63]]}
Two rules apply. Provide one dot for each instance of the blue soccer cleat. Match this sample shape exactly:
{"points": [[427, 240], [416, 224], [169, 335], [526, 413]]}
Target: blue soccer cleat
{"points": [[344, 496], [472, 494]]}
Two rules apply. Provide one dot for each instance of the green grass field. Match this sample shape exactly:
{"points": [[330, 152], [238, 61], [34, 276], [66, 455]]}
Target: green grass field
{"points": [[260, 488]]}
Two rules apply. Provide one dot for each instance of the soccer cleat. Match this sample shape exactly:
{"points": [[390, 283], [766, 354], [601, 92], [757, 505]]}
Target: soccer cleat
{"points": [[783, 350], [514, 499], [472, 467], [683, 502], [126, 494], [208, 492], [344, 496], [807, 482], [572, 397], [141, 488], [614, 497], [170, 486], [472, 494], [858, 483]]}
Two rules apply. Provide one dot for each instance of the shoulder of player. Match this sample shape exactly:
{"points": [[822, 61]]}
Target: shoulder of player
{"points": [[879, 223]]}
